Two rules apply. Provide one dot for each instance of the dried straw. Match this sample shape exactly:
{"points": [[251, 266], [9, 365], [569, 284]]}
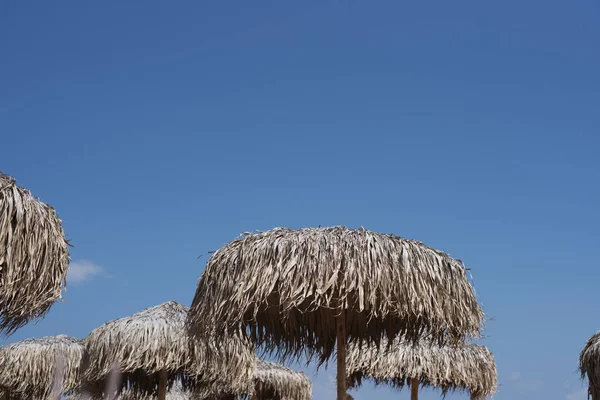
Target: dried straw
{"points": [[155, 340], [28, 368], [466, 367], [589, 364], [287, 286], [34, 256], [276, 382]]}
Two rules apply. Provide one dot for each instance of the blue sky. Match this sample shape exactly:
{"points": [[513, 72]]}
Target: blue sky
{"points": [[160, 131]]}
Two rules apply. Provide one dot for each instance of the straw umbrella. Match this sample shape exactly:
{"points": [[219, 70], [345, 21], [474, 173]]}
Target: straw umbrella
{"points": [[589, 364], [299, 292], [151, 350], [40, 368], [465, 367], [276, 382], [34, 256]]}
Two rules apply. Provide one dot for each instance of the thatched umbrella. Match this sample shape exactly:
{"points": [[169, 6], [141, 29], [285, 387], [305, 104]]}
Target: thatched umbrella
{"points": [[276, 382], [41, 367], [34, 256], [589, 364], [298, 292], [151, 350], [465, 367]]}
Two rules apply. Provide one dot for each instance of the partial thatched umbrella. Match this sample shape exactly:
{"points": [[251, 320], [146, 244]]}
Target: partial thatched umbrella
{"points": [[34, 367], [297, 292], [589, 364], [465, 367], [151, 350], [276, 382], [34, 256], [176, 392]]}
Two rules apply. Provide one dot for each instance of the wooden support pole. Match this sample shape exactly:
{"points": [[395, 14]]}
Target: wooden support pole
{"points": [[162, 385], [340, 323], [414, 389]]}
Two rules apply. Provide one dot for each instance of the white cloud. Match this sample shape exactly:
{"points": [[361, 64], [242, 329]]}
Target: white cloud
{"points": [[83, 270], [581, 394], [525, 385]]}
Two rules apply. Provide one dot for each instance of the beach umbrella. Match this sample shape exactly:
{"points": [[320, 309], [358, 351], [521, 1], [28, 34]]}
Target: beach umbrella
{"points": [[34, 256], [464, 367], [40, 368], [589, 364], [151, 350], [275, 382], [299, 292]]}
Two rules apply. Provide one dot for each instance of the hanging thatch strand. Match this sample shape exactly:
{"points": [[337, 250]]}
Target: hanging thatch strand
{"points": [[155, 340], [276, 382], [34, 256], [465, 367], [286, 287], [176, 392], [589, 364], [27, 368]]}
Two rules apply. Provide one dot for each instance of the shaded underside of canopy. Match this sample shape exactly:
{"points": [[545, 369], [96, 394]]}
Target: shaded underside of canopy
{"points": [[589, 364], [34, 256], [467, 367], [30, 368], [155, 340], [286, 288]]}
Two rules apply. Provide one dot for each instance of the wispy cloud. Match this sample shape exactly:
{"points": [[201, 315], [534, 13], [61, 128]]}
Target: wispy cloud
{"points": [[83, 270], [524, 385], [581, 394]]}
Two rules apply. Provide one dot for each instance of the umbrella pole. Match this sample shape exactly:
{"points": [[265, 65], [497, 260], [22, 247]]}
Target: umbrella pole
{"points": [[340, 323], [414, 389], [162, 385]]}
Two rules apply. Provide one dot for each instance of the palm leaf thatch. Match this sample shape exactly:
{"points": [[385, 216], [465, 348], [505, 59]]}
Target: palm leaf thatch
{"points": [[276, 382], [153, 343], [28, 368], [465, 367], [34, 256], [176, 392], [589, 364], [286, 287]]}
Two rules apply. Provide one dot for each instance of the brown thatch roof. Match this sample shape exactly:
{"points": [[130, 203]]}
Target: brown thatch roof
{"points": [[176, 392], [155, 339], [276, 382], [286, 287], [29, 368], [465, 367], [34, 256], [589, 364]]}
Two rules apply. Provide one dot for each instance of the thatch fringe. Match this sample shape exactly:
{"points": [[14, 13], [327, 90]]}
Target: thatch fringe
{"points": [[34, 256], [276, 382], [176, 392], [155, 339], [589, 364], [286, 287], [466, 367], [27, 368]]}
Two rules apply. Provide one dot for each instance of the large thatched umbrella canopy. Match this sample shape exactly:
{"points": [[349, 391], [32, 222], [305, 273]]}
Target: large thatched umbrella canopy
{"points": [[34, 256], [589, 364], [297, 292], [151, 350], [33, 367], [464, 367]]}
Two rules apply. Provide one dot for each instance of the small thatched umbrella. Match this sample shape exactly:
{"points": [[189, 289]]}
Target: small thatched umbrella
{"points": [[34, 256], [31, 368], [151, 350], [298, 292], [465, 367], [276, 382], [589, 364]]}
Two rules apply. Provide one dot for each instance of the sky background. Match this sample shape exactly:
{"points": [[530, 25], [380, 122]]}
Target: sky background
{"points": [[162, 130]]}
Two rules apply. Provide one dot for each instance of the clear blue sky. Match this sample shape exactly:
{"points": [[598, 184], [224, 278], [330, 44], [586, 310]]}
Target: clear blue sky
{"points": [[160, 131]]}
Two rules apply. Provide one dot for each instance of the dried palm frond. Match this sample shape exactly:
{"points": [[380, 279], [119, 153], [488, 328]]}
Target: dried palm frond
{"points": [[34, 256], [177, 392], [276, 382], [155, 341], [286, 287], [28, 368], [589, 364], [466, 367]]}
